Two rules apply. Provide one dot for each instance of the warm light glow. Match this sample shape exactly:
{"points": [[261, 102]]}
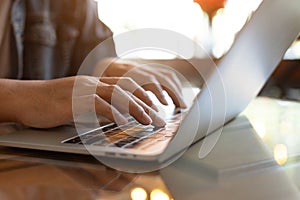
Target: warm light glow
{"points": [[184, 17], [294, 51], [280, 154], [260, 129], [138, 194], [223, 34], [158, 194], [228, 21]]}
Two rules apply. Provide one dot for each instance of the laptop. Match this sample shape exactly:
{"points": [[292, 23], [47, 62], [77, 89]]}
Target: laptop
{"points": [[238, 78]]}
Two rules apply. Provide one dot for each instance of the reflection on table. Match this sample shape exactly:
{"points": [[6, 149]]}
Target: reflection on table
{"points": [[44, 175]]}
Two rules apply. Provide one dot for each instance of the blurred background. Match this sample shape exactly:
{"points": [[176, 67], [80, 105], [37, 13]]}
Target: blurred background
{"points": [[212, 24]]}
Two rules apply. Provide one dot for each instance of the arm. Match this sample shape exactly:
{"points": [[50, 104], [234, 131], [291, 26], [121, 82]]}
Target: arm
{"points": [[48, 103], [33, 103], [8, 100]]}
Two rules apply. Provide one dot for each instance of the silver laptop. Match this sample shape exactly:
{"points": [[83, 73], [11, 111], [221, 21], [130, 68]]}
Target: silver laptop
{"points": [[240, 75]]}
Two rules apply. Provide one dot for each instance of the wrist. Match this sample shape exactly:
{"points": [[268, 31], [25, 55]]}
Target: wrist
{"points": [[9, 100], [17, 97]]}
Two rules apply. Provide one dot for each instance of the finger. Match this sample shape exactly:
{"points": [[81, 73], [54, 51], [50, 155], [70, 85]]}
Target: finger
{"points": [[166, 73], [105, 109], [173, 77], [176, 97], [167, 82], [172, 90], [142, 95], [148, 82], [156, 119], [93, 103], [174, 93], [139, 113], [118, 98], [131, 86]]}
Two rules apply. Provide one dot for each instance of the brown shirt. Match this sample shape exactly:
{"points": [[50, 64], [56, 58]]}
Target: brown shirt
{"points": [[58, 35]]}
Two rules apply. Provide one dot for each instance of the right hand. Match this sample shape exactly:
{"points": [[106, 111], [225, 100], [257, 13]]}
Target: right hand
{"points": [[45, 104], [152, 79]]}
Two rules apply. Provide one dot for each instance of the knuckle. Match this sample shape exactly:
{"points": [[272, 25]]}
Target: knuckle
{"points": [[172, 74], [139, 111], [128, 80], [116, 88], [107, 110], [95, 97], [112, 88], [152, 78], [169, 73]]}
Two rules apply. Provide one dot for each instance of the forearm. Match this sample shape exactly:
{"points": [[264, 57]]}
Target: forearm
{"points": [[44, 104], [8, 100]]}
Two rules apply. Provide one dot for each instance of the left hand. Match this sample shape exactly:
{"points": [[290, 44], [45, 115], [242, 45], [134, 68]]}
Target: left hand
{"points": [[155, 80]]}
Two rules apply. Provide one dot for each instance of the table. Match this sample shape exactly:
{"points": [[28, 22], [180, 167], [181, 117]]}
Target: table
{"points": [[256, 157]]}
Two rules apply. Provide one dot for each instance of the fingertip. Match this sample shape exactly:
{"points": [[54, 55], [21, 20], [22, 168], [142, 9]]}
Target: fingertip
{"points": [[154, 107], [118, 118], [121, 120], [183, 104], [163, 100], [159, 122], [179, 101], [145, 119]]}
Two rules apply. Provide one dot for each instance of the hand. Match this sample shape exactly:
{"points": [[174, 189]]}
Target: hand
{"points": [[44, 104], [155, 80]]}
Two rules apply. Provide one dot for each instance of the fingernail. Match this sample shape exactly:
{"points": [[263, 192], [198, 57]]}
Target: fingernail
{"points": [[121, 120], [146, 118], [159, 122], [183, 104], [154, 107], [164, 100]]}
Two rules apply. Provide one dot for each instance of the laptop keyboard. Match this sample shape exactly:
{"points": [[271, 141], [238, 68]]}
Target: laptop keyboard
{"points": [[130, 135]]}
